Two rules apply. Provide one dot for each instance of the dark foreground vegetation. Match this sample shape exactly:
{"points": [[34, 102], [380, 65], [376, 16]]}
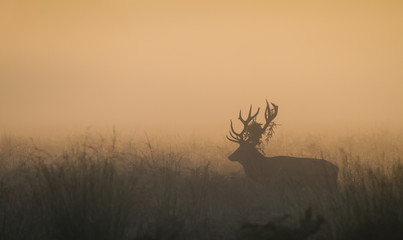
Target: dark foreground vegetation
{"points": [[96, 188]]}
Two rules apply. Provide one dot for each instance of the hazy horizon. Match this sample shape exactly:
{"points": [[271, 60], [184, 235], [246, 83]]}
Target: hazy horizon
{"points": [[194, 65]]}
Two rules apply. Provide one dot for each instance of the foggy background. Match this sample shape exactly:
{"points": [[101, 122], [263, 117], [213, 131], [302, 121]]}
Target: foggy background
{"points": [[193, 65]]}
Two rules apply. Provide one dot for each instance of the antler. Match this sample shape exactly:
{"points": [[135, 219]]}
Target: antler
{"points": [[269, 114], [239, 137]]}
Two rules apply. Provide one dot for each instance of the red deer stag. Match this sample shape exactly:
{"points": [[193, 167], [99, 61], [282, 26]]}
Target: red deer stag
{"points": [[280, 172]]}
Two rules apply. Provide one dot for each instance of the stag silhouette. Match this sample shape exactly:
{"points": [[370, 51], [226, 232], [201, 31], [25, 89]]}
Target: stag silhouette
{"points": [[280, 172]]}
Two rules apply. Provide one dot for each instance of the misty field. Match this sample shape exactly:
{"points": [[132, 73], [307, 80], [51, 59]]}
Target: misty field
{"points": [[107, 186]]}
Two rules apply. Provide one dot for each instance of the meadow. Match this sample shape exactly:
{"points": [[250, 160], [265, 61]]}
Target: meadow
{"points": [[108, 186]]}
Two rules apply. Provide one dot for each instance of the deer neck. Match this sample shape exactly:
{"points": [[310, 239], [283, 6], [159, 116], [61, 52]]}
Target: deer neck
{"points": [[252, 164]]}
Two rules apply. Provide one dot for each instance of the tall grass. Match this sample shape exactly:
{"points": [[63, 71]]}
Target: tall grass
{"points": [[109, 188], [371, 202]]}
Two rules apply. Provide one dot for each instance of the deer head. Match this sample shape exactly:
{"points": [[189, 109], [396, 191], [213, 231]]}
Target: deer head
{"points": [[251, 134]]}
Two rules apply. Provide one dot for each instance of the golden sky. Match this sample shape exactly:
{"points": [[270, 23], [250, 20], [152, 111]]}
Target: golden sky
{"points": [[327, 63]]}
